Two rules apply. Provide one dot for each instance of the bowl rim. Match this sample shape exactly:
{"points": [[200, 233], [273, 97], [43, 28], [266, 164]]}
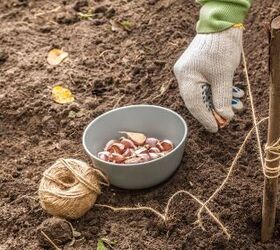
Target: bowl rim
{"points": [[141, 163]]}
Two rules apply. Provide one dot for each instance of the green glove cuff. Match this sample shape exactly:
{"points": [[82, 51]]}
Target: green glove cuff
{"points": [[219, 15]]}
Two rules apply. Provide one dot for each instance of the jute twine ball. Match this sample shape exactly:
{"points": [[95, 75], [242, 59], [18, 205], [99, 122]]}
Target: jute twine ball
{"points": [[69, 188]]}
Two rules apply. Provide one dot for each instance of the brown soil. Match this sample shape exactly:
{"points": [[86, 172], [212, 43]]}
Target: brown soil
{"points": [[107, 69], [56, 229]]}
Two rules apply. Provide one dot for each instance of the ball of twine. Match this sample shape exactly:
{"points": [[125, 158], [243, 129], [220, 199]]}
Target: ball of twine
{"points": [[69, 188]]}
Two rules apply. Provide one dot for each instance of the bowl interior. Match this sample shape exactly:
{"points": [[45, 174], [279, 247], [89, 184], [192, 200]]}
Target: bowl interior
{"points": [[153, 121]]}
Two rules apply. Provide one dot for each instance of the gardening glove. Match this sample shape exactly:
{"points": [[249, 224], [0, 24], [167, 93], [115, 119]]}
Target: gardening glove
{"points": [[210, 59]]}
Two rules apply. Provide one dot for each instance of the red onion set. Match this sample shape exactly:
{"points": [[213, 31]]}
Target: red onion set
{"points": [[135, 148]]}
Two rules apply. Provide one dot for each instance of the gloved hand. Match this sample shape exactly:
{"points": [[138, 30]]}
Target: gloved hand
{"points": [[212, 59]]}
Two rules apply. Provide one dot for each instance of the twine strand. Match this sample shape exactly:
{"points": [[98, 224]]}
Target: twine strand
{"points": [[164, 216], [105, 178], [240, 151], [272, 150], [199, 222], [252, 107], [140, 208], [268, 172], [79, 176], [57, 181]]}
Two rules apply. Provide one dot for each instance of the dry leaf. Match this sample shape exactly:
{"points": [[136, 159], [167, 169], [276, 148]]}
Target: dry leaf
{"points": [[137, 138], [127, 25], [101, 244], [86, 16], [56, 56], [62, 95]]}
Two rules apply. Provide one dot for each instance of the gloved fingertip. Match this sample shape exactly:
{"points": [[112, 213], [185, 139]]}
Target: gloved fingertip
{"points": [[237, 105], [211, 126], [212, 129], [225, 112], [237, 92]]}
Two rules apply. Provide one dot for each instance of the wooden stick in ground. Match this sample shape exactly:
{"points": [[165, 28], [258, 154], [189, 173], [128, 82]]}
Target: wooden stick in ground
{"points": [[271, 184]]}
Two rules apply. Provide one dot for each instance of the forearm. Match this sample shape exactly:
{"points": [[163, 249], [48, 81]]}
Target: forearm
{"points": [[219, 15]]}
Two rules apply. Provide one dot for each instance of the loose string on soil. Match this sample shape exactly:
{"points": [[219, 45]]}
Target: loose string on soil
{"points": [[256, 124], [273, 149], [164, 216], [252, 105], [268, 172], [203, 205]]}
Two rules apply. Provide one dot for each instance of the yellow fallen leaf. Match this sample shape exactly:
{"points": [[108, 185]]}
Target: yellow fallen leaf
{"points": [[127, 25], [62, 95], [56, 56]]}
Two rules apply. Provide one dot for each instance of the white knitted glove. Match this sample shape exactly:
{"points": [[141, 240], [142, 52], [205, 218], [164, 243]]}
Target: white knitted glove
{"points": [[210, 58]]}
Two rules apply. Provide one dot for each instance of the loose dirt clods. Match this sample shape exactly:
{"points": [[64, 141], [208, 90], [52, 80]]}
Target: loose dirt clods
{"points": [[54, 230]]}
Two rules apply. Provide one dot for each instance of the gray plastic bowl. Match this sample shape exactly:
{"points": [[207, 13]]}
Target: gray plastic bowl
{"points": [[153, 121]]}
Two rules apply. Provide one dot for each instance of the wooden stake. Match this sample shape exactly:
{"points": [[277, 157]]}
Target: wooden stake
{"points": [[271, 185]]}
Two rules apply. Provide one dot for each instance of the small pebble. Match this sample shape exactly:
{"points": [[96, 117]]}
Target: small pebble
{"points": [[100, 9], [110, 12], [152, 2], [46, 29], [3, 56], [80, 4], [66, 18], [74, 107], [98, 22]]}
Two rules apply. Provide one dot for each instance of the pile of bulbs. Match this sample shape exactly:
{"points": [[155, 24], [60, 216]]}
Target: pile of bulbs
{"points": [[135, 148]]}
